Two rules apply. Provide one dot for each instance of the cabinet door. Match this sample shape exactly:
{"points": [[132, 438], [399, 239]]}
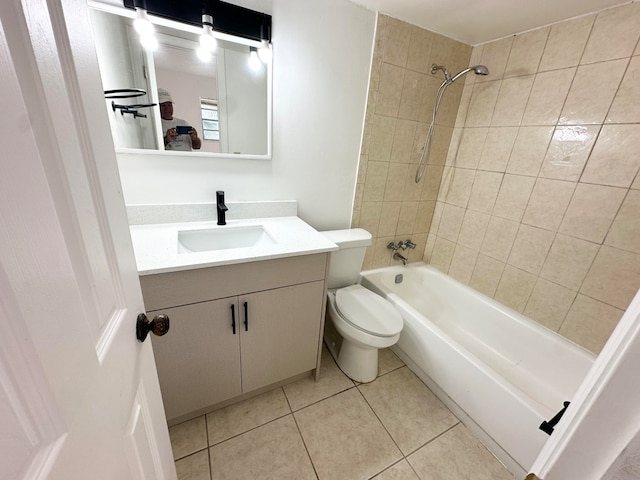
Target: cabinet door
{"points": [[198, 360], [281, 337]]}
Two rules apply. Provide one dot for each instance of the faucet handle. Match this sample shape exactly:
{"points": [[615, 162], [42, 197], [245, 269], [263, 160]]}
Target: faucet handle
{"points": [[392, 246], [409, 244]]}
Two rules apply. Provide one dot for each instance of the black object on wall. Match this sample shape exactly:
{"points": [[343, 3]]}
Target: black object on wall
{"points": [[227, 18]]}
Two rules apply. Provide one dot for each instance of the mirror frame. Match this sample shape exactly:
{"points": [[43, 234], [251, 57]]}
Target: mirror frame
{"points": [[107, 7]]}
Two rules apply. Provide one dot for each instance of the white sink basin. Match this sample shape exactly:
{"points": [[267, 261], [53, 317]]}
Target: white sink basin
{"points": [[222, 238]]}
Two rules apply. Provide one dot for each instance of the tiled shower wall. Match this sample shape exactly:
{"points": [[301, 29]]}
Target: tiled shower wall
{"points": [[539, 205], [388, 202]]}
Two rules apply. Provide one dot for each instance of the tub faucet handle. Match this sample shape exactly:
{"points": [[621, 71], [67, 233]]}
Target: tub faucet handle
{"points": [[409, 244], [393, 246]]}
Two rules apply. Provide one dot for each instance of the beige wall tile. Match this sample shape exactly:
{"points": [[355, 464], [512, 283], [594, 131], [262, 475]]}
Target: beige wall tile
{"points": [[375, 181], [513, 196], [568, 151], [614, 277], [417, 254], [497, 148], [389, 90], [486, 275], [474, 227], [566, 43], [569, 261], [614, 160], [428, 249], [370, 217], [625, 104], [396, 180], [589, 323], [471, 144], [381, 138], [420, 50], [413, 190], [448, 109], [515, 287], [396, 38], [439, 145], [483, 101], [547, 97], [459, 188], [530, 248], [592, 92], [625, 231], [442, 254], [512, 100], [430, 182], [424, 216], [549, 303], [407, 220], [495, 56], [499, 238], [636, 183], [485, 190], [413, 87], [614, 35], [591, 211], [548, 202], [451, 222], [463, 263], [526, 52], [529, 150], [403, 141], [389, 218]]}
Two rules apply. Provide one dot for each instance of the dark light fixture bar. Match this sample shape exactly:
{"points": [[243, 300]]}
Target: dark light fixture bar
{"points": [[227, 18]]}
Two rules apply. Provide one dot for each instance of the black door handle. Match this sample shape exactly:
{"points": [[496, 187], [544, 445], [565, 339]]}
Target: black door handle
{"points": [[246, 317], [158, 326], [233, 318]]}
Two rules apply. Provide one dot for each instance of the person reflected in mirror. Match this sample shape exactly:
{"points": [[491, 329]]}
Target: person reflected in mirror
{"points": [[174, 138]]}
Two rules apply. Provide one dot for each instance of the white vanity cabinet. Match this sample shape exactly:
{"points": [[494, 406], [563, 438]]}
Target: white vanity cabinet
{"points": [[235, 329]]}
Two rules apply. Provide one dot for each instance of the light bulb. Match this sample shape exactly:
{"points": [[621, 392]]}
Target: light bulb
{"points": [[142, 24], [204, 54], [207, 40], [254, 61], [149, 41], [264, 52]]}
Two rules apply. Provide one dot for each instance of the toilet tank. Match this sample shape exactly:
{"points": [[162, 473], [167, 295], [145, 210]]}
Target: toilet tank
{"points": [[346, 262]]}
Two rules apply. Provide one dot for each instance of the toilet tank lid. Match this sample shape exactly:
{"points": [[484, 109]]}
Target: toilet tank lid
{"points": [[352, 237]]}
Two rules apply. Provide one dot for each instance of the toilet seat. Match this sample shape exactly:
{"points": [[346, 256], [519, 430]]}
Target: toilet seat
{"points": [[368, 312]]}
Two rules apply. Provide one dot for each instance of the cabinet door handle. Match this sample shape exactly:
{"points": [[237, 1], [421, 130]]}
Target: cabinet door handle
{"points": [[246, 317], [233, 318]]}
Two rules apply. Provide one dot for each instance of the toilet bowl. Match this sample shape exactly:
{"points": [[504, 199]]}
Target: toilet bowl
{"points": [[364, 328], [359, 322]]}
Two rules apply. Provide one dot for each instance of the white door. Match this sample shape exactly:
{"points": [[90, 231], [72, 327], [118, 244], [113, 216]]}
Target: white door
{"points": [[79, 395]]}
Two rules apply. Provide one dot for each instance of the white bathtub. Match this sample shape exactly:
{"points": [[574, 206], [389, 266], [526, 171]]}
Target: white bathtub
{"points": [[501, 373]]}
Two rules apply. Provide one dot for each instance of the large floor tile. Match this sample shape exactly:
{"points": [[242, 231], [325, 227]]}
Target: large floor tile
{"points": [[188, 437], [457, 454], [407, 408], [400, 471], [274, 451], [345, 439], [307, 391], [194, 467], [241, 417], [388, 361]]}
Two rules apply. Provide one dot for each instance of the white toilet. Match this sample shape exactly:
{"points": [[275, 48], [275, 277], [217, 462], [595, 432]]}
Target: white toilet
{"points": [[359, 322]]}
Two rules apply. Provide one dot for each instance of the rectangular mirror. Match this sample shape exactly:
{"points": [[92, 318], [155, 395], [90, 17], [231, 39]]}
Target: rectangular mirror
{"points": [[226, 99]]}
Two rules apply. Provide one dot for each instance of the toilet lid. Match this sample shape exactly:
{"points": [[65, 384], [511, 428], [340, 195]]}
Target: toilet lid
{"points": [[368, 312]]}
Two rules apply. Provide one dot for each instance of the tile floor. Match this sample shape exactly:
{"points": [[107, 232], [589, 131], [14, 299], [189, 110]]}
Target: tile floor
{"points": [[391, 429]]}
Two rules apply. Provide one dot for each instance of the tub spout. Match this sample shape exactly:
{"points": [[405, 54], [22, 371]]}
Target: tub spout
{"points": [[402, 258]]}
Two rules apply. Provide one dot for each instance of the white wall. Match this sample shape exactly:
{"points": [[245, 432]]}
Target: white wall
{"points": [[322, 57]]}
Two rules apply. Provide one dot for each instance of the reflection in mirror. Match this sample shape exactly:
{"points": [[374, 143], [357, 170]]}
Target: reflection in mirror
{"points": [[225, 99]]}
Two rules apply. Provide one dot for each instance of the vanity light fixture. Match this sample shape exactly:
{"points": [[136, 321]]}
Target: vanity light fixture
{"points": [[208, 42], [254, 61], [144, 27], [264, 52]]}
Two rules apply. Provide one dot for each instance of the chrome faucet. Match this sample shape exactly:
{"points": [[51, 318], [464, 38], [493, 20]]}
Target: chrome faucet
{"points": [[221, 207], [402, 258]]}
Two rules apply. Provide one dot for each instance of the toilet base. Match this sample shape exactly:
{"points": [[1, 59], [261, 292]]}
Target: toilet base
{"points": [[357, 362]]}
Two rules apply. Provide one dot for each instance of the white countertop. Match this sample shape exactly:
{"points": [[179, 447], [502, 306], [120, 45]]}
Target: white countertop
{"points": [[156, 245]]}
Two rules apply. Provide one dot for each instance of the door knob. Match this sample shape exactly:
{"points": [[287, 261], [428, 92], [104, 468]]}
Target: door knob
{"points": [[158, 326]]}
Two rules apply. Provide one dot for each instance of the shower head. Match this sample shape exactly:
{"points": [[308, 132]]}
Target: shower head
{"points": [[477, 69]]}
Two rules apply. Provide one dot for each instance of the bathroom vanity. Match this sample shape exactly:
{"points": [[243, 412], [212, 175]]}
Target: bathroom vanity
{"points": [[242, 319]]}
